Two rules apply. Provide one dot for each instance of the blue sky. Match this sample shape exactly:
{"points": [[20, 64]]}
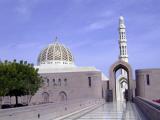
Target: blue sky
{"points": [[88, 27]]}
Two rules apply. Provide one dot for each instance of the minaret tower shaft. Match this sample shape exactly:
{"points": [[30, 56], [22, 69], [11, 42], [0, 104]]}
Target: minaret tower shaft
{"points": [[122, 40]]}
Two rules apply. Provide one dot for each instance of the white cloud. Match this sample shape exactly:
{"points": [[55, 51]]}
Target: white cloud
{"points": [[28, 45], [98, 25], [107, 14], [104, 19], [24, 8]]}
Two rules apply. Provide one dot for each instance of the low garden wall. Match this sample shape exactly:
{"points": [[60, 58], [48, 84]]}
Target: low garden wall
{"points": [[48, 111], [149, 108]]}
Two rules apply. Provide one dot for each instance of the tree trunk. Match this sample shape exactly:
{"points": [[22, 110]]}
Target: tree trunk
{"points": [[0, 102], [29, 99], [16, 100]]}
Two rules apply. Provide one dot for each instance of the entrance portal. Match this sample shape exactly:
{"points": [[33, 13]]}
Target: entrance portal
{"points": [[124, 84], [121, 86]]}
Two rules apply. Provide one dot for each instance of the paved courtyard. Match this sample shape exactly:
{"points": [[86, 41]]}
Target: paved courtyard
{"points": [[110, 111]]}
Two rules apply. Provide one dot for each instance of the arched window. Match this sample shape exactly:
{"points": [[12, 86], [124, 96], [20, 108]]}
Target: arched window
{"points": [[45, 97], [122, 50], [47, 82], [54, 82], [148, 81], [65, 81], [59, 82], [89, 81], [102, 93], [122, 35], [43, 80]]}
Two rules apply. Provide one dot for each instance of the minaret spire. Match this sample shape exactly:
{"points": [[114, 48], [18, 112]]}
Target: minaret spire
{"points": [[122, 40]]}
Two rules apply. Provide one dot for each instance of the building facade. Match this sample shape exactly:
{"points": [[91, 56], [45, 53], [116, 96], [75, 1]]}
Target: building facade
{"points": [[63, 80], [148, 83]]}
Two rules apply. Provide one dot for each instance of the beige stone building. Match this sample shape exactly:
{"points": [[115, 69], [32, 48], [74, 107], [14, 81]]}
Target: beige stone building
{"points": [[148, 83], [63, 80]]}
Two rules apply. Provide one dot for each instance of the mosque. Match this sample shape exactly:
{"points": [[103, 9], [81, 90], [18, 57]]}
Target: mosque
{"points": [[63, 80]]}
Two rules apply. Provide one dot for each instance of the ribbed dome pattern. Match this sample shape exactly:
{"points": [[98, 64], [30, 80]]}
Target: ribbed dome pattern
{"points": [[55, 53]]}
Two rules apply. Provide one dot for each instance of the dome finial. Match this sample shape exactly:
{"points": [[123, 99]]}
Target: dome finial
{"points": [[56, 39]]}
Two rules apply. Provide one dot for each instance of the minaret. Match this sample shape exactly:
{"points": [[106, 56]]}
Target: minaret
{"points": [[122, 40]]}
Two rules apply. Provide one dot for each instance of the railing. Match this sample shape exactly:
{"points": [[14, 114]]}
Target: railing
{"points": [[149, 108]]}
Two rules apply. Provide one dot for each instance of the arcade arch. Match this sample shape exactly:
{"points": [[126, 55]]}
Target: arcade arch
{"points": [[128, 79]]}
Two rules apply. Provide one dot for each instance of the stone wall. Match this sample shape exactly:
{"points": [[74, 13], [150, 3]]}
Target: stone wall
{"points": [[148, 87], [150, 109], [75, 87]]}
